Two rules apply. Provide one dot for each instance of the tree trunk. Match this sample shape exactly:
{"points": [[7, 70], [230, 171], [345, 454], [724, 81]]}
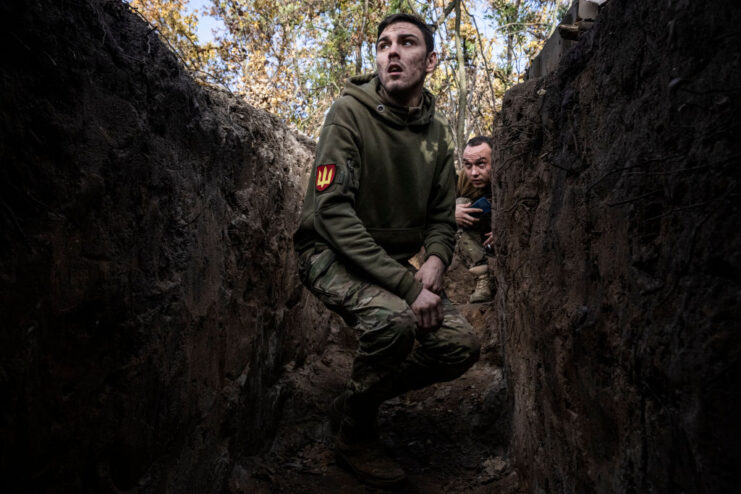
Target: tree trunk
{"points": [[460, 130], [511, 42], [361, 37]]}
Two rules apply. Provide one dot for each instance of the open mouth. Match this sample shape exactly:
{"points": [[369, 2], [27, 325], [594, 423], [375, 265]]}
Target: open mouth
{"points": [[394, 69]]}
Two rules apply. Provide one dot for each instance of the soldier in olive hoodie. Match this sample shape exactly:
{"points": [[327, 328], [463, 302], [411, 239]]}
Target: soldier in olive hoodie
{"points": [[381, 188]]}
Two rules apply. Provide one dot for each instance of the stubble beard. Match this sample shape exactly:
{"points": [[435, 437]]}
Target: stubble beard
{"points": [[397, 91]]}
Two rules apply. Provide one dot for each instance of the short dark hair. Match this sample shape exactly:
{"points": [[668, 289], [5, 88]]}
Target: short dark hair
{"points": [[412, 19], [479, 140]]}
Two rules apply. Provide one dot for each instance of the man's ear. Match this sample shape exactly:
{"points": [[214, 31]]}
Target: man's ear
{"points": [[431, 62]]}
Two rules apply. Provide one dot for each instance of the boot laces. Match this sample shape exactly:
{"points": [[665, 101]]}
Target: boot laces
{"points": [[482, 283]]}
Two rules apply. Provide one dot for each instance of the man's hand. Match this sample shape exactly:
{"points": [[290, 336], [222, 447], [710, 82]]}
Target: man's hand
{"points": [[489, 241], [428, 308], [431, 273], [463, 215]]}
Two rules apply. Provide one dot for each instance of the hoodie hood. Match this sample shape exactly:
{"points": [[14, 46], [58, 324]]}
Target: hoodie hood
{"points": [[364, 88]]}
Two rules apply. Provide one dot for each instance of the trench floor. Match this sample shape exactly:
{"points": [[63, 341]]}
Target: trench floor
{"points": [[450, 437]]}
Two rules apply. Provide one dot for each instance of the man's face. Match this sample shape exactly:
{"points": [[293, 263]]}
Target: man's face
{"points": [[477, 164], [402, 60]]}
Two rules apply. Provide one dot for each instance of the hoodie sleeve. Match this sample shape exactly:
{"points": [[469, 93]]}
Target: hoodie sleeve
{"points": [[441, 226], [335, 217]]}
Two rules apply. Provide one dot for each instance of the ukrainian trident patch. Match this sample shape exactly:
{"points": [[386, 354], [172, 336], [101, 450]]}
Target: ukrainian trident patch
{"points": [[325, 176]]}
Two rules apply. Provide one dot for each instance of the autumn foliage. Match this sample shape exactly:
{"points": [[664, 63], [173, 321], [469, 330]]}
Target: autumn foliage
{"points": [[291, 58]]}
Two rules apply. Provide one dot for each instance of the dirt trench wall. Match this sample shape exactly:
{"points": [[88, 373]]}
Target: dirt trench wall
{"points": [[618, 255], [148, 295]]}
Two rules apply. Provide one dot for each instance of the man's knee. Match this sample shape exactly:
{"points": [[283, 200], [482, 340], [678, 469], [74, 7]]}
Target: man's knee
{"points": [[470, 248], [392, 338], [459, 355], [471, 348], [465, 349]]}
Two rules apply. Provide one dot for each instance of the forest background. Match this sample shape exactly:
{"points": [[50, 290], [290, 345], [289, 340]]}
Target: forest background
{"points": [[291, 58]]}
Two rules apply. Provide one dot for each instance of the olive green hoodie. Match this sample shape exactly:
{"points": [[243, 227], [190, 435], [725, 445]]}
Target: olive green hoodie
{"points": [[392, 187]]}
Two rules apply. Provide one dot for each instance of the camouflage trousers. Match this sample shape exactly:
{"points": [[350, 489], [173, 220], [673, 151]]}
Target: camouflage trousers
{"points": [[470, 248], [470, 241], [392, 356]]}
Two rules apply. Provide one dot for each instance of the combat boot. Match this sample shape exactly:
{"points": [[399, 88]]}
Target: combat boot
{"points": [[365, 458], [358, 448], [482, 292]]}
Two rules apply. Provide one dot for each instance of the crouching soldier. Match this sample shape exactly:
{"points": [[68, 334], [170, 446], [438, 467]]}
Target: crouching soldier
{"points": [[473, 214], [382, 187]]}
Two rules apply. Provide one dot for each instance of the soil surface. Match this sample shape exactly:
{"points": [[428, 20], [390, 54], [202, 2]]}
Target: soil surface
{"points": [[616, 212], [442, 435], [156, 338], [148, 288]]}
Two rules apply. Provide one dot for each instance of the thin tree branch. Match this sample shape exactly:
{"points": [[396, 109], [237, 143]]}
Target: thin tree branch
{"points": [[483, 57]]}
